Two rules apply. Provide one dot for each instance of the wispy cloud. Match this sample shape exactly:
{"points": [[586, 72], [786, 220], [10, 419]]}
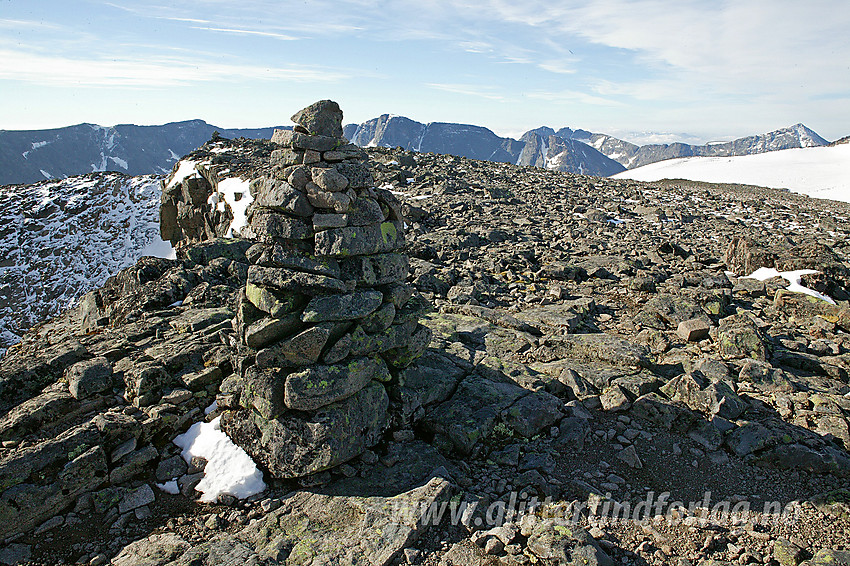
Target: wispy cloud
{"points": [[13, 24], [572, 96], [475, 90], [559, 67], [249, 32], [145, 73]]}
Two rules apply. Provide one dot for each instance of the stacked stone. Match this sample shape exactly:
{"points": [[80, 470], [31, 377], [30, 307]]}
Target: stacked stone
{"points": [[325, 317]]}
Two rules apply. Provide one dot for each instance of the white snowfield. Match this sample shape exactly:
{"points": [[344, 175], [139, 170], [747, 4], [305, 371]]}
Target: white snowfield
{"points": [[820, 172]]}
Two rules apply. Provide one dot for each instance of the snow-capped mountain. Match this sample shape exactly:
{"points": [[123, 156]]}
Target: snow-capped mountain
{"points": [[546, 148], [28, 156], [464, 140], [560, 153], [59, 239], [815, 171], [632, 156]]}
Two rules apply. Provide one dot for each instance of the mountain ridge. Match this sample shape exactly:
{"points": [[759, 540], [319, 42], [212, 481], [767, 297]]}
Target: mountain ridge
{"points": [[28, 156]]}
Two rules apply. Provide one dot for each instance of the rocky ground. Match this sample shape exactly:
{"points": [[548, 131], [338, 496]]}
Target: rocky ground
{"points": [[594, 347]]}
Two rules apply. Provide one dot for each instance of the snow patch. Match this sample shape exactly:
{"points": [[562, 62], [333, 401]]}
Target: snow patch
{"points": [[159, 248], [46, 174], [237, 194], [169, 487], [185, 170], [794, 279], [229, 469], [36, 145], [211, 408], [120, 162], [174, 156]]}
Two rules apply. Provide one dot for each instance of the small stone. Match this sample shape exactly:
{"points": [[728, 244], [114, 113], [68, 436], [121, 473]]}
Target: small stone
{"points": [[136, 498], [630, 456], [693, 330], [329, 180], [197, 464], [411, 555], [493, 546]]}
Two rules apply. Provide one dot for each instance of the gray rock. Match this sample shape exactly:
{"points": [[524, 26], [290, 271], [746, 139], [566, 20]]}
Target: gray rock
{"points": [[170, 468], [739, 337], [596, 347], [269, 330], [429, 380], [669, 310], [301, 350], [533, 413], [293, 446], [379, 269], [693, 330], [270, 226], [630, 456], [330, 180], [572, 432], [614, 398], [280, 196], [669, 414], [322, 118], [134, 464], [15, 553], [712, 399], [89, 377], [145, 382], [263, 391], [137, 498], [787, 553], [285, 279], [342, 307], [568, 544], [360, 240], [472, 412], [155, 550], [829, 557], [318, 386]]}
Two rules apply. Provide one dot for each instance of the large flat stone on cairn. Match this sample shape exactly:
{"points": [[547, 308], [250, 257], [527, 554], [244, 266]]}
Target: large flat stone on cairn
{"points": [[322, 118], [323, 326]]}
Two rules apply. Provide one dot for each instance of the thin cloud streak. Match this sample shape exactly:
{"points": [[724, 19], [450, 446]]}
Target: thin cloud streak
{"points": [[248, 32], [467, 90], [143, 73]]}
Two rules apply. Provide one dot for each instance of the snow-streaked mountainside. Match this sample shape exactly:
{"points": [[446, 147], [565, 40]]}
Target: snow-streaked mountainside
{"points": [[60, 239], [543, 147], [821, 172], [573, 151], [28, 156]]}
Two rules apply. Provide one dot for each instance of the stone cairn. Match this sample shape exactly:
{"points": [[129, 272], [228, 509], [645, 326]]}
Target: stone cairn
{"points": [[325, 318]]}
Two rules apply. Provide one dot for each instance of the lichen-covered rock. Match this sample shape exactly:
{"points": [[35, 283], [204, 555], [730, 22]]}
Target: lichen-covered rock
{"points": [[740, 338], [292, 445]]}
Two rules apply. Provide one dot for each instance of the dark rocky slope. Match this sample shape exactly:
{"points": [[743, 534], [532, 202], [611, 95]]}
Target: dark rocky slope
{"points": [[593, 343]]}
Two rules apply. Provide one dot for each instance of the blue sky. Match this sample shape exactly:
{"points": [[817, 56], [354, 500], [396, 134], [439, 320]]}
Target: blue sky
{"points": [[646, 70]]}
